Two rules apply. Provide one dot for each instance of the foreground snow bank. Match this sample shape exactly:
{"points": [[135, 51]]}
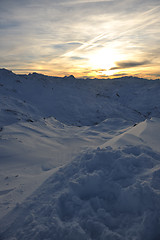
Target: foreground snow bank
{"points": [[103, 194]]}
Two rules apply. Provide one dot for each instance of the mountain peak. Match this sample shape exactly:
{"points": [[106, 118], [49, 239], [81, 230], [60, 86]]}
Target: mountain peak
{"points": [[5, 71], [69, 77]]}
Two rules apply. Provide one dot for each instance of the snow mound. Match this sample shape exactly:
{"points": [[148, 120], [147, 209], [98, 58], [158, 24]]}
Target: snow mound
{"points": [[103, 194], [146, 132]]}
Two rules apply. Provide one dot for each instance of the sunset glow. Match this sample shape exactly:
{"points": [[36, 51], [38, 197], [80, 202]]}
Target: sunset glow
{"points": [[81, 37], [104, 60]]}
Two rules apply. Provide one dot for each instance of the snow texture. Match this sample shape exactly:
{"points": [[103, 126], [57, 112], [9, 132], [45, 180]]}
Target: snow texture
{"points": [[103, 194]]}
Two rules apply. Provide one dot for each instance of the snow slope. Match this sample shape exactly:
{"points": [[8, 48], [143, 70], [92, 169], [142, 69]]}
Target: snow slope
{"points": [[80, 159]]}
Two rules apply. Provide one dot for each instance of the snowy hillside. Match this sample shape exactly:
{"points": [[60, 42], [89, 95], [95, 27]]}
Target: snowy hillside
{"points": [[80, 159]]}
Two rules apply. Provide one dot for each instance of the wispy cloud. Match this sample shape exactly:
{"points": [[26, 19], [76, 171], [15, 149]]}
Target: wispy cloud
{"points": [[74, 2], [129, 64], [54, 33]]}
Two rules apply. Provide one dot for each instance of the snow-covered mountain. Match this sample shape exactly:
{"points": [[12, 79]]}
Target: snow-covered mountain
{"points": [[80, 158]]}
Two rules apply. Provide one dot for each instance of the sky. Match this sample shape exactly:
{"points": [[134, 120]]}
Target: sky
{"points": [[84, 38]]}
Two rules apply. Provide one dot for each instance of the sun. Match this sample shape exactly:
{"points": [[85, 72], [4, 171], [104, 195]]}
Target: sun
{"points": [[104, 59]]}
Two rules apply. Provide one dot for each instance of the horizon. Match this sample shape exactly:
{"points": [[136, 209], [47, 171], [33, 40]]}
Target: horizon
{"points": [[79, 78], [85, 38]]}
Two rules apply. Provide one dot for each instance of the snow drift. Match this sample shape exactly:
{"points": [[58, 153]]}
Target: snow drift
{"points": [[104, 193]]}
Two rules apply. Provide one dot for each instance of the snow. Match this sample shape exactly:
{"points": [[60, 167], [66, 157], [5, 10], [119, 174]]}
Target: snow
{"points": [[146, 132], [80, 159]]}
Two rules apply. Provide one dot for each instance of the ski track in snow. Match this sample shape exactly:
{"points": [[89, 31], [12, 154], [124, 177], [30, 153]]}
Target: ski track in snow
{"points": [[80, 159]]}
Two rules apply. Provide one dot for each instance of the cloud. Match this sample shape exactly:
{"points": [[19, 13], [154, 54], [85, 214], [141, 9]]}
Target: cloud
{"points": [[129, 64], [9, 24], [87, 1], [120, 75], [99, 70], [78, 58], [65, 46], [61, 31]]}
